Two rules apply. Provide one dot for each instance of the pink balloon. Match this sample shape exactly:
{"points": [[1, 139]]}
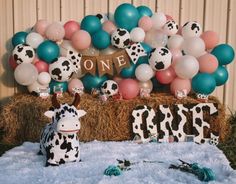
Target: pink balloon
{"points": [[129, 88], [166, 76], [109, 26], [12, 63], [175, 55], [179, 84], [208, 63], [55, 32], [81, 40], [41, 66], [70, 27], [75, 83], [210, 38], [41, 26], [145, 23]]}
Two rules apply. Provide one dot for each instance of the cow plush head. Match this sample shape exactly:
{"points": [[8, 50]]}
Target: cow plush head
{"points": [[65, 117]]}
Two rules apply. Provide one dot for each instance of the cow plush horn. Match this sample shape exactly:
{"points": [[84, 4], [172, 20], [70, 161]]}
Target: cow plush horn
{"points": [[55, 103], [76, 100]]}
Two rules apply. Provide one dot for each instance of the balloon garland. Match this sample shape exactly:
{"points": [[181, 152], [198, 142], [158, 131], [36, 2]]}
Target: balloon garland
{"points": [[183, 57]]}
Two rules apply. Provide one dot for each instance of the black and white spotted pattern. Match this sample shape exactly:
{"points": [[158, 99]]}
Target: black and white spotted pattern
{"points": [[109, 88], [171, 27], [144, 122], [191, 29], [214, 140], [23, 53], [135, 51], [59, 142], [75, 59], [61, 69], [120, 38], [102, 17], [160, 58]]}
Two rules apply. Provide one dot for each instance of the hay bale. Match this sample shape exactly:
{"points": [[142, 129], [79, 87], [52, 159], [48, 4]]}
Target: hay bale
{"points": [[22, 118]]}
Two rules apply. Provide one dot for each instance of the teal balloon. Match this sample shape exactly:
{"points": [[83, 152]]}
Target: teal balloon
{"points": [[53, 83], [142, 60], [101, 39], [19, 38], [126, 16], [224, 53], [221, 75], [144, 11], [128, 72], [146, 47], [91, 24], [203, 83], [48, 51], [90, 81]]}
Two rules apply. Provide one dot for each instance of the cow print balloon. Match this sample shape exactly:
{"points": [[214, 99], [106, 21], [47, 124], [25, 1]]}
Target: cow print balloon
{"points": [[170, 28], [160, 58], [102, 17], [61, 69], [109, 88], [23, 53], [120, 38], [191, 29]]}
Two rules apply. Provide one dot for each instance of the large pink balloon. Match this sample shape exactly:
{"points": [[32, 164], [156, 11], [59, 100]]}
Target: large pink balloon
{"points": [[129, 88], [75, 83], [109, 26], [145, 23], [70, 27], [179, 84], [81, 40], [41, 26], [210, 38], [55, 32], [208, 63], [166, 76]]}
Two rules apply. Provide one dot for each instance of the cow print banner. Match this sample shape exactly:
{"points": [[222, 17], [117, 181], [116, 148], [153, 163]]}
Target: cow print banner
{"points": [[173, 121]]}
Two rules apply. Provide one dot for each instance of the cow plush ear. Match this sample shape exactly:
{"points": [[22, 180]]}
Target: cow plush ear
{"points": [[49, 114], [81, 113]]}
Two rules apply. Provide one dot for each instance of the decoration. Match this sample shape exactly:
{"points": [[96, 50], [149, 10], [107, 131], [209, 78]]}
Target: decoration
{"points": [[63, 145]]}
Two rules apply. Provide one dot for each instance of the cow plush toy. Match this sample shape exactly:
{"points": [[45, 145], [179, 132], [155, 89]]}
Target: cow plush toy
{"points": [[59, 140]]}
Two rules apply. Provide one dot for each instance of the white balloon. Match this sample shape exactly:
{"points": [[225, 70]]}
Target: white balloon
{"points": [[36, 86], [26, 74], [44, 78], [64, 47], [158, 20], [175, 42], [144, 72], [137, 34], [186, 67], [156, 38], [34, 39], [194, 46], [191, 29]]}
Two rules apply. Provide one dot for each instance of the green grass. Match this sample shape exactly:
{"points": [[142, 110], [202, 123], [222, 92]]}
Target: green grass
{"points": [[228, 147]]}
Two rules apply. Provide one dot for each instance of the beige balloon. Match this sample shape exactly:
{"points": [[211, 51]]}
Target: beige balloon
{"points": [[108, 50], [146, 85]]}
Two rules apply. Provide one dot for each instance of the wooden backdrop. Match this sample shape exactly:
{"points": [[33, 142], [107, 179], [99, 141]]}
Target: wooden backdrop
{"points": [[18, 15]]}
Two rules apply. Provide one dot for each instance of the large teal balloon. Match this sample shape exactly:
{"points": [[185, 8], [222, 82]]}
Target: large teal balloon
{"points": [[203, 83], [48, 51], [90, 81], [221, 75], [91, 24], [53, 83], [126, 16], [224, 53], [128, 72], [19, 38], [101, 39], [144, 11]]}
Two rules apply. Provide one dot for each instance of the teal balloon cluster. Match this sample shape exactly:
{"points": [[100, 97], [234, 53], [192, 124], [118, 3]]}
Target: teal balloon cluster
{"points": [[93, 82]]}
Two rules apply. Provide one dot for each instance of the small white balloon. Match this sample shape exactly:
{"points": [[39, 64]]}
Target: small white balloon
{"points": [[35, 87], [137, 34], [144, 72], [44, 78], [34, 39], [175, 42], [186, 67], [158, 20], [191, 29], [194, 46]]}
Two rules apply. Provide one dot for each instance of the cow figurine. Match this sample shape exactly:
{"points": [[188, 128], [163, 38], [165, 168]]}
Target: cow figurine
{"points": [[59, 140]]}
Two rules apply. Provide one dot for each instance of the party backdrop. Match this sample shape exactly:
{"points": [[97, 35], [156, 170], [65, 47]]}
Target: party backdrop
{"points": [[16, 15]]}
